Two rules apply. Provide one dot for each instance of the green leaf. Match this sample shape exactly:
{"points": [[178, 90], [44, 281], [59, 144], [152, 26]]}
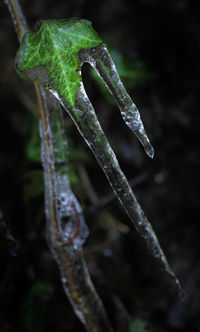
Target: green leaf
{"points": [[49, 55], [132, 72]]}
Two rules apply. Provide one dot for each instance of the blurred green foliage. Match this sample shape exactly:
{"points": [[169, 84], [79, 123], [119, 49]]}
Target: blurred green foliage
{"points": [[33, 180], [33, 143], [33, 184], [137, 325]]}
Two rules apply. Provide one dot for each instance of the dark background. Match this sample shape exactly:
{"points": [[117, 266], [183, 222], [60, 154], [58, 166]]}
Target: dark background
{"points": [[160, 41]]}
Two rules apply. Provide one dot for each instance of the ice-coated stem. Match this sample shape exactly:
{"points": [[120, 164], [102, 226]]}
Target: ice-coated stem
{"points": [[102, 62], [88, 125], [80, 290], [40, 58], [66, 204], [75, 277]]}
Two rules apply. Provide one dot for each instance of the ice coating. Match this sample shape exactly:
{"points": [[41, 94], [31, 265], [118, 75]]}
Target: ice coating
{"points": [[52, 50], [75, 277], [67, 206], [132, 118], [100, 59], [65, 203], [89, 127], [83, 115], [52, 55], [62, 209]]}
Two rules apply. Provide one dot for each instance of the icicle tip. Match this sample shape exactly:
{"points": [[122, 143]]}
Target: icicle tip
{"points": [[149, 150]]}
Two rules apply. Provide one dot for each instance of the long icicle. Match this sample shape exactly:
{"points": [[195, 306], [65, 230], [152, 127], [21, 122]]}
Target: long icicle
{"points": [[89, 127], [83, 113], [100, 59]]}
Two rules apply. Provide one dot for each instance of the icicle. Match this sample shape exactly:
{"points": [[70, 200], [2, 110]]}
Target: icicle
{"points": [[133, 120], [100, 59], [83, 115], [89, 127]]}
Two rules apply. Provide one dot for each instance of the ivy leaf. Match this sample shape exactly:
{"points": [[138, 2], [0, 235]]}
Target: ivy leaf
{"points": [[50, 55]]}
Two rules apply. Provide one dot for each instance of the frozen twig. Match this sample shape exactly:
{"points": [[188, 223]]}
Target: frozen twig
{"points": [[42, 58], [89, 127], [62, 210], [68, 254], [100, 59]]}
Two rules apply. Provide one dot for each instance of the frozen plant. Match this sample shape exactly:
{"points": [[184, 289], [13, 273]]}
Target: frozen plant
{"points": [[52, 56]]}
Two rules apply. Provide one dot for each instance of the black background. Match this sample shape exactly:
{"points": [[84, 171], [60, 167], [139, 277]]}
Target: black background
{"points": [[164, 35]]}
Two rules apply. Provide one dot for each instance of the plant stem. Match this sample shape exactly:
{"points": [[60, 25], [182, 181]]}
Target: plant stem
{"points": [[18, 18], [50, 200], [75, 277], [89, 127]]}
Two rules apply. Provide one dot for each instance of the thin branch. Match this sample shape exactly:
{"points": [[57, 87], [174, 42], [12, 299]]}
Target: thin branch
{"points": [[75, 277], [90, 128], [51, 213], [19, 20], [74, 274]]}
